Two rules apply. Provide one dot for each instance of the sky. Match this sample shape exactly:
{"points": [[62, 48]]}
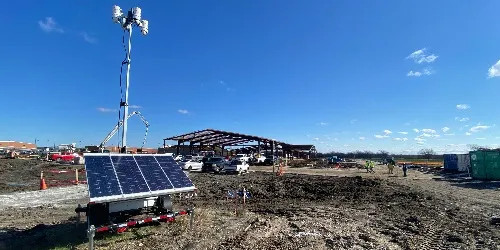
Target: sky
{"points": [[342, 75]]}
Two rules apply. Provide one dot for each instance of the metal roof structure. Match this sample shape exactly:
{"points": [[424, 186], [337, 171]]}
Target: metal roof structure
{"points": [[223, 139], [220, 138]]}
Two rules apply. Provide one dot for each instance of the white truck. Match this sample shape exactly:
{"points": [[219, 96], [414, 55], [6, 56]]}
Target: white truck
{"points": [[236, 166]]}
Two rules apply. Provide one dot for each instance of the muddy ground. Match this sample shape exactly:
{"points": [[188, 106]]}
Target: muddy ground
{"points": [[304, 209]]}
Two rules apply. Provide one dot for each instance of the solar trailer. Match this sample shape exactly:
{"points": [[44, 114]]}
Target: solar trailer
{"points": [[124, 183]]}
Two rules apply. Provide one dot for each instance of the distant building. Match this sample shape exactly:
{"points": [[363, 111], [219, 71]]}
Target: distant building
{"points": [[114, 149], [7, 145]]}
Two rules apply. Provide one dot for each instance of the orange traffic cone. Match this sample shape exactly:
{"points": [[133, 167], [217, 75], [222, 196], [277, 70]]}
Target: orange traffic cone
{"points": [[43, 185]]}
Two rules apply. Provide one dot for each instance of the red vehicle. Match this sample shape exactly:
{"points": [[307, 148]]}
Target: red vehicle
{"points": [[61, 157]]}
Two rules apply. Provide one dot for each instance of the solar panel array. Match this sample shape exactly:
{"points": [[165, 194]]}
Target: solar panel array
{"points": [[121, 176]]}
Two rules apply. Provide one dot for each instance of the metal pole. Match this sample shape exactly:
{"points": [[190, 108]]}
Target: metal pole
{"points": [[90, 235], [191, 216], [125, 113]]}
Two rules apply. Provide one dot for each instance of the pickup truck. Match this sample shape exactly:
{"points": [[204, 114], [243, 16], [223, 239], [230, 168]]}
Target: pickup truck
{"points": [[236, 166]]}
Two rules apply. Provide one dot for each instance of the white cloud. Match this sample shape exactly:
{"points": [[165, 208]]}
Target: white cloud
{"points": [[50, 25], [463, 119], [381, 136], [479, 128], [494, 70], [353, 121], [419, 139], [403, 133], [414, 73], [336, 139], [315, 139], [323, 124], [420, 142], [416, 130], [480, 138], [419, 56], [463, 106], [106, 110], [387, 132], [467, 133], [88, 38], [451, 134], [134, 106], [445, 129], [428, 130], [183, 111], [362, 138], [401, 139]]}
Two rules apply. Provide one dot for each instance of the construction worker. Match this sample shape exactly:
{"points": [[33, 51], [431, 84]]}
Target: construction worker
{"points": [[391, 166], [405, 168], [367, 166]]}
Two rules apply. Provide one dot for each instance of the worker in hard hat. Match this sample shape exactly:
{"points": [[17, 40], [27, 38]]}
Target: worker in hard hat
{"points": [[405, 168], [367, 166]]}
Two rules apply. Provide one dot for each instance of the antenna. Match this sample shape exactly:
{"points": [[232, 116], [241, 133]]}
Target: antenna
{"points": [[133, 18]]}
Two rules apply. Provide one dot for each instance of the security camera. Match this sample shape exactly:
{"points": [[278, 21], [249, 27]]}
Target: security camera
{"points": [[144, 27], [116, 13], [136, 13]]}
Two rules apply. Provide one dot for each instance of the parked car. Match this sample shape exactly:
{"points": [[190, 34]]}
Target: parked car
{"points": [[214, 164], [191, 165], [242, 157], [197, 157], [236, 166], [270, 160]]}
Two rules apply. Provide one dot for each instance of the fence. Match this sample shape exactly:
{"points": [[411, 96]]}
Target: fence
{"points": [[56, 177]]}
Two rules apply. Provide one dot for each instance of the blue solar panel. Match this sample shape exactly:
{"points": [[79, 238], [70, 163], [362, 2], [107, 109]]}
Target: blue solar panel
{"points": [[134, 176], [154, 175], [129, 175], [101, 177], [174, 172]]}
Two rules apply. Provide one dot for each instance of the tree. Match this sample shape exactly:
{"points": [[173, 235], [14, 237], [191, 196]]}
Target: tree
{"points": [[427, 153]]}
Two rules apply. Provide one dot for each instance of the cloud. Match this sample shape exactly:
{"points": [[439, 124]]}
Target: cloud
{"points": [[381, 136], [424, 72], [416, 130], [494, 70], [463, 106], [134, 106], [106, 110], [223, 83], [50, 25], [429, 135], [480, 138], [428, 130], [353, 121], [362, 138], [418, 139], [445, 129], [449, 134], [403, 133], [401, 139], [463, 119], [420, 56], [323, 123], [315, 139], [387, 132], [420, 142], [183, 111], [88, 38], [467, 133], [479, 128]]}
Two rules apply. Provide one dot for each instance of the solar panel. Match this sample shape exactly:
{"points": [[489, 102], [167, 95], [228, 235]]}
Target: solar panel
{"points": [[113, 177]]}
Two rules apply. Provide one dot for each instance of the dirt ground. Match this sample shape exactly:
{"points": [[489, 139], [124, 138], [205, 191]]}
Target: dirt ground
{"points": [[305, 208]]}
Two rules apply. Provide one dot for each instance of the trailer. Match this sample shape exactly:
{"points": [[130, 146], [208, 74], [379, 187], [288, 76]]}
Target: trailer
{"points": [[124, 185]]}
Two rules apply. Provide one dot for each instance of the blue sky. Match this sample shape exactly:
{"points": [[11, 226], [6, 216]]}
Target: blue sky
{"points": [[343, 75]]}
